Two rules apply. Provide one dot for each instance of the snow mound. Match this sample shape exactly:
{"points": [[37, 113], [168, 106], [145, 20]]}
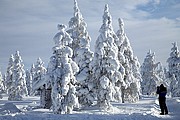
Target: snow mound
{"points": [[9, 108]]}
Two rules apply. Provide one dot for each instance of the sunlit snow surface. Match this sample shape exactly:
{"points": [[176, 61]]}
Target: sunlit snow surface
{"points": [[146, 109]]}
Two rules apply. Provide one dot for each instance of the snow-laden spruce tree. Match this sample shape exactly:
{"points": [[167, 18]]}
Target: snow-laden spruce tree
{"points": [[105, 63], [28, 82], [150, 75], [39, 76], [130, 66], [4, 83], [32, 71], [1, 85], [78, 31], [174, 69], [81, 55], [61, 74], [9, 74], [173, 87], [18, 86]]}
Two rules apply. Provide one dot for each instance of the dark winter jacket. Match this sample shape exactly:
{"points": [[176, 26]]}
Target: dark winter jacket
{"points": [[162, 91]]}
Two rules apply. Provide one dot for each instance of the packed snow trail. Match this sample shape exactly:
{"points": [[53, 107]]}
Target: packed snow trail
{"points": [[145, 109], [173, 105]]}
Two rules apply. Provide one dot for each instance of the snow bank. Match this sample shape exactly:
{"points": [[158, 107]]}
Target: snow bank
{"points": [[9, 108], [79, 117], [145, 109]]}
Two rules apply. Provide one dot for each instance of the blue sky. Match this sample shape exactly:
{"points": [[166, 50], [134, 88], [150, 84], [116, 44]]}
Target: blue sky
{"points": [[30, 25]]}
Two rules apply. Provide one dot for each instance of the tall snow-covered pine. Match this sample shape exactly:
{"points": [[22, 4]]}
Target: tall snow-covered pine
{"points": [[105, 62], [150, 75], [61, 73], [81, 55], [174, 70], [18, 86], [130, 66], [39, 75], [28, 82], [9, 74], [1, 85]]}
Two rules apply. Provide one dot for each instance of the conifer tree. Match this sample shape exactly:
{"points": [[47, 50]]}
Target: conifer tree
{"points": [[78, 31], [174, 70], [81, 55], [173, 86], [150, 76], [106, 65], [4, 83], [18, 86], [173, 60], [130, 66], [39, 72], [61, 73], [32, 71], [28, 82], [1, 85], [9, 74]]}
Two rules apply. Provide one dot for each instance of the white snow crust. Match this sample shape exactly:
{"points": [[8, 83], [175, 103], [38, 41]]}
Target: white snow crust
{"points": [[145, 109]]}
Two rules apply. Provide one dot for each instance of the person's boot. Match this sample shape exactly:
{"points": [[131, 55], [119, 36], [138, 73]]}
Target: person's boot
{"points": [[161, 113]]}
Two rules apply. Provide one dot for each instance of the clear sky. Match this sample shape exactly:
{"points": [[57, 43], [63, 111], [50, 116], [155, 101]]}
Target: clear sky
{"points": [[30, 25]]}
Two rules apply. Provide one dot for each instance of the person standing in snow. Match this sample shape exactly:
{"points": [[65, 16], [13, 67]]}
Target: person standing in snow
{"points": [[161, 90]]}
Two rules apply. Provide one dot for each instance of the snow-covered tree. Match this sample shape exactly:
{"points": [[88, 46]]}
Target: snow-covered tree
{"points": [[9, 74], [28, 82], [39, 76], [173, 86], [173, 60], [78, 31], [4, 83], [174, 70], [32, 71], [82, 55], [105, 63], [61, 73], [1, 85], [18, 86], [39, 83], [161, 72], [130, 66], [150, 75]]}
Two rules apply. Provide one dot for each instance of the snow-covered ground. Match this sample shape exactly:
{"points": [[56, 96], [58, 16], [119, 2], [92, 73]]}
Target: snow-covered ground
{"points": [[146, 109]]}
